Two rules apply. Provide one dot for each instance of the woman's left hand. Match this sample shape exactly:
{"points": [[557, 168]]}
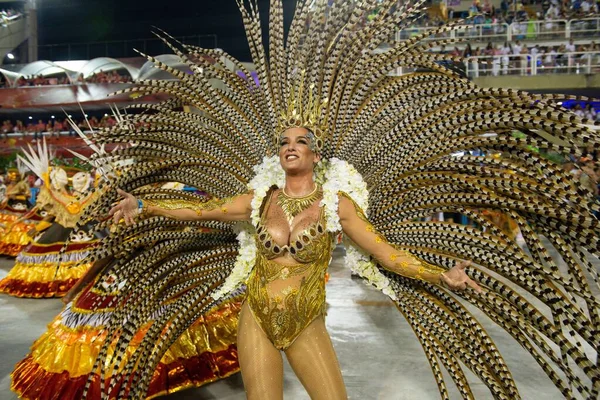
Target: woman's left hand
{"points": [[457, 279]]}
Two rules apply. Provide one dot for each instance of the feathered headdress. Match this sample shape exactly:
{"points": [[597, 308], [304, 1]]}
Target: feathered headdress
{"points": [[411, 138]]}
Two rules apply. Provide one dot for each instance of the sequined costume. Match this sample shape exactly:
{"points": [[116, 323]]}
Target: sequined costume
{"points": [[60, 361], [15, 218], [55, 259], [398, 146], [285, 299]]}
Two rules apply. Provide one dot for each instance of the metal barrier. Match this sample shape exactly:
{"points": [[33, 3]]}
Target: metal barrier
{"points": [[583, 62], [481, 32], [523, 30], [585, 27], [539, 30]]}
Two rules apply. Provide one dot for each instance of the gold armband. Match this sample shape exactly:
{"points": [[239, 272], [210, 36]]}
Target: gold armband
{"points": [[196, 206], [412, 267]]}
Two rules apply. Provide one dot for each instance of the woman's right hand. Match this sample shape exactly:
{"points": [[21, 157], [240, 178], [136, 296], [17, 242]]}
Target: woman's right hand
{"points": [[126, 209]]}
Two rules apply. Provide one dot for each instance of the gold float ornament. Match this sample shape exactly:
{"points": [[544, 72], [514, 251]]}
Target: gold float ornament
{"points": [[74, 207]]}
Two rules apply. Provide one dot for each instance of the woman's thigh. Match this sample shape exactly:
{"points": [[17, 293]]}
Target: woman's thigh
{"points": [[314, 361], [260, 362]]}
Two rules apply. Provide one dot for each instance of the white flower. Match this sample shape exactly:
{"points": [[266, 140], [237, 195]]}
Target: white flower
{"points": [[361, 265], [243, 264], [341, 176], [267, 174]]}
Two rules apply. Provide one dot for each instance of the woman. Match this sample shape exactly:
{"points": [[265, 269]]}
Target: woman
{"points": [[55, 259], [401, 148], [284, 308]]}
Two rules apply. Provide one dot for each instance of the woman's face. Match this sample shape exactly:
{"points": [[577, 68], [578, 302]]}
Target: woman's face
{"points": [[295, 154]]}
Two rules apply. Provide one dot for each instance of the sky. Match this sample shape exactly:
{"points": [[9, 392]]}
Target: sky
{"points": [[77, 21]]}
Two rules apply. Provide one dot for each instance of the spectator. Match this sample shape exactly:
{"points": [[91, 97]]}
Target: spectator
{"points": [[589, 112], [474, 9], [50, 127], [504, 7], [586, 6], [506, 51], [545, 6], [517, 47], [468, 52], [38, 129], [560, 59], [570, 48], [19, 127], [552, 13], [579, 111], [488, 52], [58, 127], [487, 8], [523, 60]]}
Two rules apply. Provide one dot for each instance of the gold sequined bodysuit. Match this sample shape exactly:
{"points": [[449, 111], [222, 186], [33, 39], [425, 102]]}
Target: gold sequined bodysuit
{"points": [[285, 299]]}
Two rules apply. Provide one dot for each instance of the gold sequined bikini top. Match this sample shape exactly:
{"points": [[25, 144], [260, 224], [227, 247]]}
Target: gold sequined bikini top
{"points": [[307, 247]]}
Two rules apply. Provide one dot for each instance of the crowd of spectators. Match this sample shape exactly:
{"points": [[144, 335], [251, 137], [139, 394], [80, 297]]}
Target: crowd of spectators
{"points": [[100, 77], [519, 14], [53, 126], [516, 58], [43, 81], [106, 77]]}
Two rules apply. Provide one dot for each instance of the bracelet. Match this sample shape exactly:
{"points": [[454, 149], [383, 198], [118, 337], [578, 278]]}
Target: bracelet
{"points": [[140, 208]]}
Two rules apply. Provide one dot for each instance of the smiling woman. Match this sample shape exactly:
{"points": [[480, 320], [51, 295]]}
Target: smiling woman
{"points": [[328, 142], [285, 304]]}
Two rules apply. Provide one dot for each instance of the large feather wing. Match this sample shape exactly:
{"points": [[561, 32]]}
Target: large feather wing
{"points": [[411, 138]]}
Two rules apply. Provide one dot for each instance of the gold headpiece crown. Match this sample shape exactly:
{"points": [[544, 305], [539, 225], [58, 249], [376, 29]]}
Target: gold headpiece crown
{"points": [[304, 109]]}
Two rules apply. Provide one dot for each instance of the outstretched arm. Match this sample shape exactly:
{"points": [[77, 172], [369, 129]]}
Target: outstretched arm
{"points": [[236, 208], [358, 228]]}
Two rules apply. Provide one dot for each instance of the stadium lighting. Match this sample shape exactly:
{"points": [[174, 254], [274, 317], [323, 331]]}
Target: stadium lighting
{"points": [[30, 117], [52, 117], [106, 115], [10, 56]]}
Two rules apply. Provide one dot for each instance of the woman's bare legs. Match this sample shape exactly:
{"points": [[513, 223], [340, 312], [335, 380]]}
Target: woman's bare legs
{"points": [[314, 361], [260, 362]]}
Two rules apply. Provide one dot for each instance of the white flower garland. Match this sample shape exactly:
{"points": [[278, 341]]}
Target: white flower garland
{"points": [[267, 174], [243, 264], [335, 176], [341, 176]]}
